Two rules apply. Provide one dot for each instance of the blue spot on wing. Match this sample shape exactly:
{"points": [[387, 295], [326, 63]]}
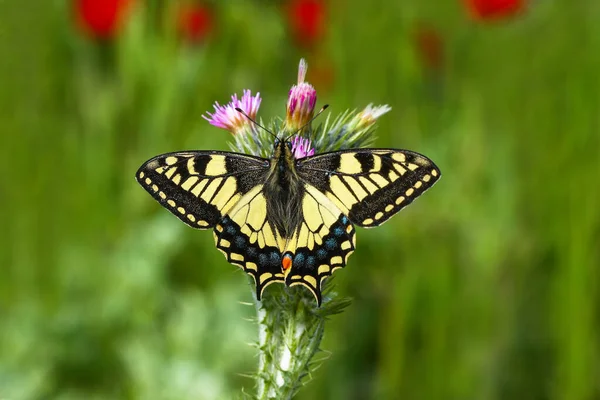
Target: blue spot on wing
{"points": [[275, 259], [299, 259], [262, 259], [321, 254], [330, 244], [240, 242]]}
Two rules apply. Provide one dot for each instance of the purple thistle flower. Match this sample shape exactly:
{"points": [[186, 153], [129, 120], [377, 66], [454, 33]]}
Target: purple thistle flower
{"points": [[302, 147], [227, 117], [301, 101]]}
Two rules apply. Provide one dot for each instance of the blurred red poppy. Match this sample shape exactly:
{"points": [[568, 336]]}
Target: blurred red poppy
{"points": [[307, 21], [429, 47], [494, 9], [101, 19], [194, 22]]}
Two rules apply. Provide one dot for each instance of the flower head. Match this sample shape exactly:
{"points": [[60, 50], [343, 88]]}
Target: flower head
{"points": [[302, 147], [227, 117], [301, 101], [367, 117], [494, 9], [307, 21], [101, 19], [194, 23]]}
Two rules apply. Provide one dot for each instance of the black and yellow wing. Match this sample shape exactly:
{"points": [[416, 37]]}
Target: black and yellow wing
{"points": [[248, 239], [363, 187], [369, 185], [200, 187], [224, 191], [321, 244]]}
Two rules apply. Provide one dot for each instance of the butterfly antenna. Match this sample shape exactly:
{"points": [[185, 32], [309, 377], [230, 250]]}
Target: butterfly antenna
{"points": [[255, 123], [306, 124]]}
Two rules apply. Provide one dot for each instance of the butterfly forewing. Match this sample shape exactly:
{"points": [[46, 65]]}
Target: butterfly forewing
{"points": [[370, 185], [199, 187]]}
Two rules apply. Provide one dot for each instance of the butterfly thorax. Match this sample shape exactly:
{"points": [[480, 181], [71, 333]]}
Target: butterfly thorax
{"points": [[283, 189]]}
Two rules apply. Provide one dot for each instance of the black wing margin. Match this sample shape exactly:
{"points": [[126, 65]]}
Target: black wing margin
{"points": [[199, 187], [370, 185]]}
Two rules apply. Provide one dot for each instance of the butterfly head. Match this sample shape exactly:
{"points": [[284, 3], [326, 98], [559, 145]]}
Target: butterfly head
{"points": [[283, 151]]}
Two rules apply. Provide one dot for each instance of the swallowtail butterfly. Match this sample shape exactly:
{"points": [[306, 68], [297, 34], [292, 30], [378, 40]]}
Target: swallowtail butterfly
{"points": [[285, 219]]}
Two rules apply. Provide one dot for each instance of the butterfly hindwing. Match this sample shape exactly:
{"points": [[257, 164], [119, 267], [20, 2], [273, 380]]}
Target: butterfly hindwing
{"points": [[199, 187], [370, 185], [247, 239], [322, 244]]}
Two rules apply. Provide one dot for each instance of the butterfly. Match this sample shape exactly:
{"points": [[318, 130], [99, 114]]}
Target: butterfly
{"points": [[283, 219]]}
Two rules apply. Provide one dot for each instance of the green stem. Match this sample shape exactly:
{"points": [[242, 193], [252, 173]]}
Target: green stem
{"points": [[290, 330]]}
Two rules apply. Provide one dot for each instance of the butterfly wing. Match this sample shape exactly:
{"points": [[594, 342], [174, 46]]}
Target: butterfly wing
{"points": [[321, 244], [370, 185], [249, 239], [199, 187]]}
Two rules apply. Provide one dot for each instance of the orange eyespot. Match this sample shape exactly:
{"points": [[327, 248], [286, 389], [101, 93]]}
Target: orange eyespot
{"points": [[286, 262]]}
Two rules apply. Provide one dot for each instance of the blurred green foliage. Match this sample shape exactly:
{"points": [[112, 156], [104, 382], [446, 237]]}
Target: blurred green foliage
{"points": [[486, 288]]}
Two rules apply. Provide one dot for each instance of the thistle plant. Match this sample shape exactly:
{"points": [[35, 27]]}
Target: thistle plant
{"points": [[290, 322]]}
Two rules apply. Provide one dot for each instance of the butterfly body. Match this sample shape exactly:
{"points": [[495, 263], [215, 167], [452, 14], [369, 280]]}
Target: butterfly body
{"points": [[283, 190], [284, 219]]}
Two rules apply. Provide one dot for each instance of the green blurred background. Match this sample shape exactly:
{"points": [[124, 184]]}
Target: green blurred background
{"points": [[485, 288]]}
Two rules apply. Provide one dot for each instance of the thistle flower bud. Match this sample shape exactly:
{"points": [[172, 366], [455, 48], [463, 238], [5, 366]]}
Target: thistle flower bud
{"points": [[367, 117], [301, 101]]}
